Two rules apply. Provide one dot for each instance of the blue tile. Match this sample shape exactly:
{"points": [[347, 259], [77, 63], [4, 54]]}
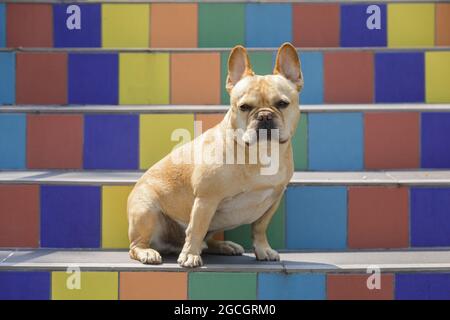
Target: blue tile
{"points": [[267, 25], [93, 78], [335, 141], [12, 141], [316, 217], [312, 68], [70, 216], [354, 27], [422, 286], [111, 141], [2, 25], [24, 285], [430, 219], [280, 286], [66, 35], [7, 77], [435, 142], [399, 77]]}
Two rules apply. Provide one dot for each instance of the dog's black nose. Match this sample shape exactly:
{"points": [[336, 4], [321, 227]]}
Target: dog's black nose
{"points": [[265, 120], [264, 116]]}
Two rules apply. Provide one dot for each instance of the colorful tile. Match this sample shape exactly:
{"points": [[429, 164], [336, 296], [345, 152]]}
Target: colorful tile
{"points": [[378, 217], [399, 77], [335, 141], [111, 141], [260, 33], [77, 25], [342, 88], [20, 285], [29, 25], [195, 78], [300, 144], [153, 285], [93, 78], [312, 69], [12, 141], [222, 285], [93, 286], [411, 24], [281, 286], [316, 25], [19, 221], [430, 226], [41, 78], [2, 24], [224, 95], [442, 24], [205, 121], [7, 77], [164, 33], [221, 25], [422, 286], [144, 78], [437, 77], [60, 136], [156, 132], [125, 25], [316, 217], [392, 140], [114, 218], [435, 145], [354, 287], [70, 216]]}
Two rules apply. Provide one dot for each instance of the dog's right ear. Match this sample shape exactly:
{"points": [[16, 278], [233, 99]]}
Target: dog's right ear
{"points": [[238, 66]]}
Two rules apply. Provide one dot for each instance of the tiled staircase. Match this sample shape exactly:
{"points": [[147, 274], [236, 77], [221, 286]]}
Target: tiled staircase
{"points": [[84, 111]]}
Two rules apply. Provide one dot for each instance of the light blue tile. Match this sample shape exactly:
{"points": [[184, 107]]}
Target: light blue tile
{"points": [[2, 25], [12, 141], [335, 141], [7, 77], [316, 217], [312, 68], [279, 286]]}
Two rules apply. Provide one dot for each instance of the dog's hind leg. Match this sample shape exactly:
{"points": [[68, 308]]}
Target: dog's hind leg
{"points": [[228, 248]]}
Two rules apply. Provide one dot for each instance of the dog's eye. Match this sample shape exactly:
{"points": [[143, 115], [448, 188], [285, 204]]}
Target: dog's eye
{"points": [[245, 107], [281, 104]]}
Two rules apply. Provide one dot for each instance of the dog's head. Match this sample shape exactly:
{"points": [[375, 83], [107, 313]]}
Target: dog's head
{"points": [[265, 101]]}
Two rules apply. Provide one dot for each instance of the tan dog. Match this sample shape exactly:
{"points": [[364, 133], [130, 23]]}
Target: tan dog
{"points": [[180, 205]]}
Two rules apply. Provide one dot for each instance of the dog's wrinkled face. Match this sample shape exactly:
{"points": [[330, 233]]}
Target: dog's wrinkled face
{"points": [[265, 102]]}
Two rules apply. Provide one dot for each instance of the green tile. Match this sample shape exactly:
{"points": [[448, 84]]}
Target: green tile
{"points": [[300, 144], [222, 285], [221, 25], [275, 231]]}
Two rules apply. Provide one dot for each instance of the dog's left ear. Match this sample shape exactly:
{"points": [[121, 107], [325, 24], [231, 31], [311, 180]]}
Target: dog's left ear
{"points": [[288, 65]]}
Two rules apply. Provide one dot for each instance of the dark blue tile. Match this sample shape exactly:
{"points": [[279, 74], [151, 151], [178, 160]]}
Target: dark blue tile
{"points": [[399, 77], [64, 32], [93, 78], [111, 141], [70, 216], [435, 143], [355, 30], [430, 219], [422, 286], [24, 285]]}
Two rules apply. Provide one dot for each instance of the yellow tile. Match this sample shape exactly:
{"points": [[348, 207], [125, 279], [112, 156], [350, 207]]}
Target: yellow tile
{"points": [[437, 77], [144, 78], [155, 135], [410, 25], [93, 286], [125, 25], [114, 216]]}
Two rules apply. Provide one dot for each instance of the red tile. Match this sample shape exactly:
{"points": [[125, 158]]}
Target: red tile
{"points": [[19, 216], [41, 78], [29, 25], [354, 287], [442, 24], [391, 140], [54, 141], [316, 25], [378, 217], [348, 77]]}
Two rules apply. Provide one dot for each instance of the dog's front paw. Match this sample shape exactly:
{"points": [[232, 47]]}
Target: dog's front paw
{"points": [[188, 260], [148, 256], [266, 253]]}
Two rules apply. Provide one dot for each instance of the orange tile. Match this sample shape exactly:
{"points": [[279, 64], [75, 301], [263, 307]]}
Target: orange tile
{"points": [[354, 287], [208, 120], [195, 78], [173, 25], [219, 236], [443, 24], [378, 217], [153, 285]]}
